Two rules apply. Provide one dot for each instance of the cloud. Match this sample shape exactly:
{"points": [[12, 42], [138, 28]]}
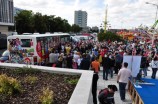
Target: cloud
{"points": [[121, 13]]}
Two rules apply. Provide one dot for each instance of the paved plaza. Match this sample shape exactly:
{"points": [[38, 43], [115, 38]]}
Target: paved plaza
{"points": [[104, 83]]}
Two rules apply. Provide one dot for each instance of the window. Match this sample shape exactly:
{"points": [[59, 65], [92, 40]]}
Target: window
{"points": [[25, 42]]}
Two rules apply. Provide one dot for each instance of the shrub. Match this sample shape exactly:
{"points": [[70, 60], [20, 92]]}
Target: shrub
{"points": [[30, 79], [9, 85], [25, 70], [73, 81], [47, 96]]}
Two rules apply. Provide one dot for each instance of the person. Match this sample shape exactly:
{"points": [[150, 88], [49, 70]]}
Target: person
{"points": [[75, 58], [106, 66], [60, 60], [69, 61], [85, 63], [112, 65], [118, 62], [94, 87], [143, 65], [79, 62], [68, 49], [122, 79], [95, 65], [106, 96], [51, 59], [154, 66]]}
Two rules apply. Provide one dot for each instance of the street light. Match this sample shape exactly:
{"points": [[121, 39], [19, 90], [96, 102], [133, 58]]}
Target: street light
{"points": [[15, 25], [156, 9]]}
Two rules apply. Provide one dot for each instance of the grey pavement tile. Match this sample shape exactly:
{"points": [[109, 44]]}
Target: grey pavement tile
{"points": [[104, 83]]}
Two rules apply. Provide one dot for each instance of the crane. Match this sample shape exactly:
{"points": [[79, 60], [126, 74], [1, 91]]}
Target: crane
{"points": [[153, 27], [153, 31]]}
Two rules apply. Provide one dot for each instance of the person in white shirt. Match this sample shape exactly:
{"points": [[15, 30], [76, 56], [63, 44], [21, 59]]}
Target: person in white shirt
{"points": [[79, 62], [154, 65], [53, 58], [122, 79]]}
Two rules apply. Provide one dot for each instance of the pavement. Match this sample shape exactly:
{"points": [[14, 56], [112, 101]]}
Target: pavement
{"points": [[104, 83]]}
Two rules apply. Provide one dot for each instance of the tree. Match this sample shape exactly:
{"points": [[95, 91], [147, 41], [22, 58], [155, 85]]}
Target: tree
{"points": [[66, 26], [109, 36], [24, 22], [39, 23], [75, 28]]}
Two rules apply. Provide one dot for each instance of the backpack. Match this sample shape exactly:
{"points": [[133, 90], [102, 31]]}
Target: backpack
{"points": [[105, 97]]}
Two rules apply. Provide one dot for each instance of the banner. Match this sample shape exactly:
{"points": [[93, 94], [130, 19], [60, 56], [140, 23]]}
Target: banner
{"points": [[133, 64]]}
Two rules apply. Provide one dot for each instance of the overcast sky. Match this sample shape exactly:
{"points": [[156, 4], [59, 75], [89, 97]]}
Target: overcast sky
{"points": [[121, 13]]}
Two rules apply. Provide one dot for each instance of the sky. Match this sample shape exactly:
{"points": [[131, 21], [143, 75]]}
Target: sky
{"points": [[121, 13]]}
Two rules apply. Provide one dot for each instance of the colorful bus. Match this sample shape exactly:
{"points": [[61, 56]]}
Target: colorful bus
{"points": [[34, 48]]}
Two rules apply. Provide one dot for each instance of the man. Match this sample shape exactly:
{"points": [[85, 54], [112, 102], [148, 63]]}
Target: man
{"points": [[95, 65], [122, 79], [106, 66], [106, 96], [143, 64], [118, 61], [69, 61], [94, 87], [53, 58], [85, 63]]}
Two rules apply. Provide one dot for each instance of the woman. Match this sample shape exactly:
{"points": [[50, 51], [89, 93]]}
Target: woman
{"points": [[154, 65]]}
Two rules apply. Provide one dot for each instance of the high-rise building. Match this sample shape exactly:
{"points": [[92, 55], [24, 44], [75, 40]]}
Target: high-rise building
{"points": [[81, 18], [17, 10], [6, 15]]}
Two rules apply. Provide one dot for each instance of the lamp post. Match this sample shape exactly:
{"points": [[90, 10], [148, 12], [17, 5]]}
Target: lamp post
{"points": [[155, 19], [156, 9], [15, 25]]}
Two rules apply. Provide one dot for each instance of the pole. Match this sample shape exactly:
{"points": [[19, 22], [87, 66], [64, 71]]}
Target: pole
{"points": [[105, 23], [156, 13], [15, 25]]}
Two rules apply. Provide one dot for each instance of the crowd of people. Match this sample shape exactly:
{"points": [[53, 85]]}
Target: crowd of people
{"points": [[109, 54], [91, 55]]}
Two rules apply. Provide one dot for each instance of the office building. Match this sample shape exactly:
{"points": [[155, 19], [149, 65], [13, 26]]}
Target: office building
{"points": [[6, 15], [81, 18], [17, 10]]}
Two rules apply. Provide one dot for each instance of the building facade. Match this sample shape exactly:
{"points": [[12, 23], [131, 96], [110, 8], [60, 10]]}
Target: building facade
{"points": [[6, 15], [17, 10], [81, 18]]}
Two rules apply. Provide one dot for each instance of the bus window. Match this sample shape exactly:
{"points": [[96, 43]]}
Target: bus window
{"points": [[65, 38], [25, 43]]}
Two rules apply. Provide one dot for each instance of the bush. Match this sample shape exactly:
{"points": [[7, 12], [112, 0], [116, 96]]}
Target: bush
{"points": [[9, 85], [25, 70], [30, 79], [71, 81], [47, 96]]}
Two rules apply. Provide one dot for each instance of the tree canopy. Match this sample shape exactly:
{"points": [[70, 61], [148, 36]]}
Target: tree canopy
{"points": [[28, 22]]}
